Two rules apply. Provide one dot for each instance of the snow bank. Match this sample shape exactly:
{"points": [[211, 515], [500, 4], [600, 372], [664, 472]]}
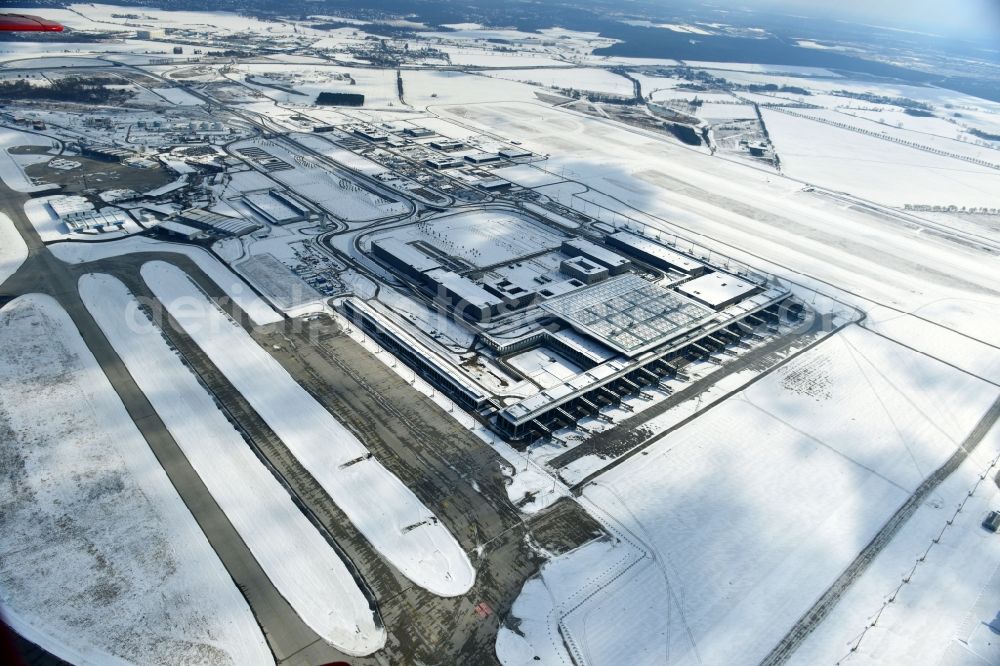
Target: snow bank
{"points": [[103, 563], [235, 288], [301, 564], [13, 250], [389, 515]]}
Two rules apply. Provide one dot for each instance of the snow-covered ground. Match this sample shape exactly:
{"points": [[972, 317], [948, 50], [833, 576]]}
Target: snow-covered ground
{"points": [[177, 96], [13, 250], [46, 223], [234, 287], [931, 596], [298, 560], [733, 524], [423, 88], [10, 171], [103, 563], [585, 79], [384, 510], [878, 170]]}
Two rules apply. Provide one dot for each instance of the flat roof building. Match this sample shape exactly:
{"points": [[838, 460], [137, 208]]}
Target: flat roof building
{"points": [[69, 205], [447, 144], [584, 269], [371, 133], [493, 184], [717, 290], [482, 157], [512, 153], [276, 208], [418, 132], [654, 253], [179, 229], [578, 247], [628, 314], [464, 295], [99, 220], [223, 224], [404, 258], [444, 162]]}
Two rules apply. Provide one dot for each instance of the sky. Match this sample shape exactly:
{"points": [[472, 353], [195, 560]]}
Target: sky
{"points": [[948, 17]]}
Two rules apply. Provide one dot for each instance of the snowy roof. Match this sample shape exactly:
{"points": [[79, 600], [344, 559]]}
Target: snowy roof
{"points": [[480, 157], [272, 207], [96, 219], [583, 345], [179, 228], [628, 313], [464, 288], [407, 254], [716, 289], [63, 206], [514, 152], [594, 252], [223, 223], [661, 252]]}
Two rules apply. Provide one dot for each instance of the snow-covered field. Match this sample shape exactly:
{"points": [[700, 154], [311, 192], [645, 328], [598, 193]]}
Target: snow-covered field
{"points": [[177, 96], [877, 170], [745, 515], [10, 171], [527, 175], [103, 563], [932, 595], [307, 81], [298, 560], [585, 79], [423, 88], [235, 288], [13, 250], [384, 510], [936, 133]]}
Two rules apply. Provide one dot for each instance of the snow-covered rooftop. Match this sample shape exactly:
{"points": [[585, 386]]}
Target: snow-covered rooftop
{"points": [[716, 289], [628, 313]]}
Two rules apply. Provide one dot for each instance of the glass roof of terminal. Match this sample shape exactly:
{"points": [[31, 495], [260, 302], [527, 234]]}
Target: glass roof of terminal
{"points": [[628, 313]]}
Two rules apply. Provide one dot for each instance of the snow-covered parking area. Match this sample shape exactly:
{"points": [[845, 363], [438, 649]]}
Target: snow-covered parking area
{"points": [[300, 563], [383, 509], [102, 562], [740, 519]]}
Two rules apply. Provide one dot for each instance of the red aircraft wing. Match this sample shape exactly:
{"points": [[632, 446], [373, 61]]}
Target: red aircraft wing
{"points": [[23, 22]]}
